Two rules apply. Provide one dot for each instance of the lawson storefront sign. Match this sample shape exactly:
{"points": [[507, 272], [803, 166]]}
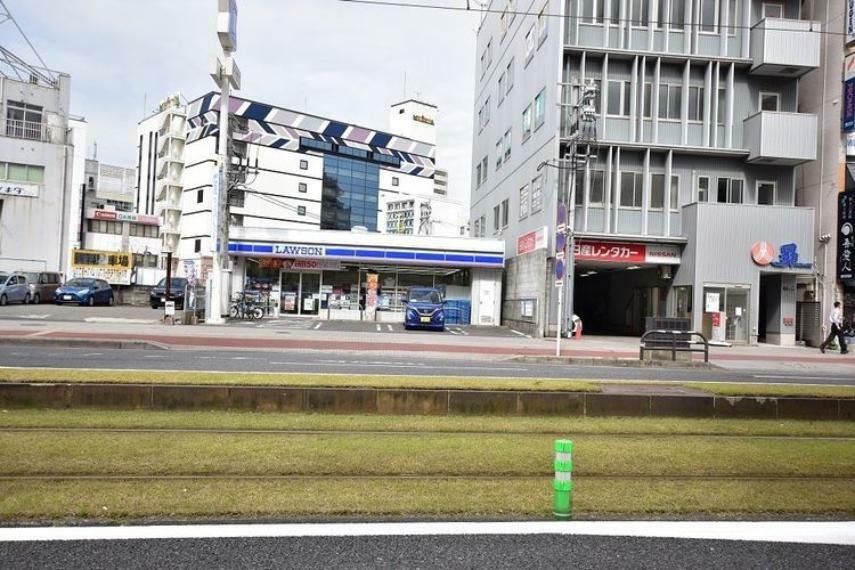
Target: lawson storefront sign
{"points": [[390, 255]]}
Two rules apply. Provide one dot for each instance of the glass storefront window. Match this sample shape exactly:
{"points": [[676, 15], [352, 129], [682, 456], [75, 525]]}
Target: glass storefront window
{"points": [[343, 287], [727, 306], [289, 294]]}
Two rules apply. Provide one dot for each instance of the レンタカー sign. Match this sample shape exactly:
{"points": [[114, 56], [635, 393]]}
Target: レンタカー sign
{"points": [[846, 235], [626, 252]]}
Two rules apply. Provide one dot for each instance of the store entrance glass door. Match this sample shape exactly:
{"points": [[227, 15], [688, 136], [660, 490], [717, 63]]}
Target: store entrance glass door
{"points": [[727, 306], [310, 293]]}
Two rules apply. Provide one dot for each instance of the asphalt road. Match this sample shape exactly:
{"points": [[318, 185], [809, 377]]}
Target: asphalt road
{"points": [[353, 363], [475, 551]]}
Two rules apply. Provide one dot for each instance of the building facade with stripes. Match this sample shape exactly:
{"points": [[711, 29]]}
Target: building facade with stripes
{"points": [[297, 179], [693, 125]]}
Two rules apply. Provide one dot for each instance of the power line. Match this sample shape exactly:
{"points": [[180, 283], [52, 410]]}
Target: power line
{"points": [[637, 23]]}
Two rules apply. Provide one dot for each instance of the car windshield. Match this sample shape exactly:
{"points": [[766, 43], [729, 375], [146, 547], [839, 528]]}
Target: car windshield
{"points": [[81, 283], [425, 296], [179, 282], [3, 277]]}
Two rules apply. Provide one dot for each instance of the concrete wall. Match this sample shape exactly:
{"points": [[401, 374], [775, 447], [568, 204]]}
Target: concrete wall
{"points": [[526, 279]]}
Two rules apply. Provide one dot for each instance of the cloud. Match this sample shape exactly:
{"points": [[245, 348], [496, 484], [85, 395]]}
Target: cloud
{"points": [[344, 61]]}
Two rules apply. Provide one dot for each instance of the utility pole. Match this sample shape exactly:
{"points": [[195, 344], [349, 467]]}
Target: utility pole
{"points": [[226, 75], [578, 129]]}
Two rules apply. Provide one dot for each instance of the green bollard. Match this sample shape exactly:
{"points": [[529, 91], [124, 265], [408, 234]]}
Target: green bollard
{"points": [[563, 484]]}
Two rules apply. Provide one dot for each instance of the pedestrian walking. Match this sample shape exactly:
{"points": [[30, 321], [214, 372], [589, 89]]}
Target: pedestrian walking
{"points": [[836, 320]]}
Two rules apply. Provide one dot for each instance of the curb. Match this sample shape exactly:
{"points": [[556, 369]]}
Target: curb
{"points": [[415, 402], [84, 343], [620, 362]]}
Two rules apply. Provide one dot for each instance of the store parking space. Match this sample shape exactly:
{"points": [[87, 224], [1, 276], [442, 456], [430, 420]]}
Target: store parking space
{"points": [[76, 313]]}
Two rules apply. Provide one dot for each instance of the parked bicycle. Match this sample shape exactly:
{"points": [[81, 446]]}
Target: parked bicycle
{"points": [[244, 307]]}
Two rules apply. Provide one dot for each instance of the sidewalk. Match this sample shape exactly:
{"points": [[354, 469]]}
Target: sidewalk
{"points": [[489, 346]]}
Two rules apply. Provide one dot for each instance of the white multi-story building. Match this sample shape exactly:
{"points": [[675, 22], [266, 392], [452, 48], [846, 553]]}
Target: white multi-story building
{"points": [[36, 165]]}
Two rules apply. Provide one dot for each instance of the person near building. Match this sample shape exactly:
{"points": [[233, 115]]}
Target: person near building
{"points": [[836, 320]]}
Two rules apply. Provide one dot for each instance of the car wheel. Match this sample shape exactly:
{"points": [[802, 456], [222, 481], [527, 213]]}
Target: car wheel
{"points": [[37, 299], [27, 299], [3, 300], [91, 301], [111, 301]]}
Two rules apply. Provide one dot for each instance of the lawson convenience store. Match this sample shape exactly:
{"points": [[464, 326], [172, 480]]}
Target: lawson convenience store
{"points": [[341, 275]]}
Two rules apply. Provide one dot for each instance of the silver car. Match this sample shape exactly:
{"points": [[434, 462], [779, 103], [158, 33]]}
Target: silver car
{"points": [[13, 289]]}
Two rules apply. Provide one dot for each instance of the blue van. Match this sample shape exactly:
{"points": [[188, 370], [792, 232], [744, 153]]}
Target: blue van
{"points": [[424, 309]]}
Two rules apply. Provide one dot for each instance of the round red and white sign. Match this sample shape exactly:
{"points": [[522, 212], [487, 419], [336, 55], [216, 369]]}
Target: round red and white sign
{"points": [[763, 253]]}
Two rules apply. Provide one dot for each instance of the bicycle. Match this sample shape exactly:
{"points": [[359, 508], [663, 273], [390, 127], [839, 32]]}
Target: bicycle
{"points": [[243, 308]]}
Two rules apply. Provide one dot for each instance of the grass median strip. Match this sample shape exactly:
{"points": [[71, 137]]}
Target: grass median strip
{"points": [[242, 420], [291, 380], [417, 454], [328, 496], [773, 390]]}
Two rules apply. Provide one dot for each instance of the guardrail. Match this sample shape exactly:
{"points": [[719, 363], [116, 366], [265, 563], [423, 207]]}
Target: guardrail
{"points": [[674, 341]]}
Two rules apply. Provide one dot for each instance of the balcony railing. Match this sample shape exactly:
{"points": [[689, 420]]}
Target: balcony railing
{"points": [[33, 131], [780, 138], [785, 48]]}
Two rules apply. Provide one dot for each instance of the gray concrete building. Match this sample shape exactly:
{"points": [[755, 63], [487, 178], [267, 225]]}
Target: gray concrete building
{"points": [[684, 203]]}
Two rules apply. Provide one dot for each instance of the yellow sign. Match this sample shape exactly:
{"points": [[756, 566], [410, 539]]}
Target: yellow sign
{"points": [[118, 260]]}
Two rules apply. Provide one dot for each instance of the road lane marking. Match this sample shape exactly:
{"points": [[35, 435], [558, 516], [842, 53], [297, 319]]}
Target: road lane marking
{"points": [[317, 326], [451, 331], [389, 327], [39, 317], [378, 328], [839, 533]]}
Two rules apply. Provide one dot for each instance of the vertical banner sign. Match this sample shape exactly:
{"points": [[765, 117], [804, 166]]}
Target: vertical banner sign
{"points": [[849, 105], [845, 235], [371, 281], [560, 243], [216, 188]]}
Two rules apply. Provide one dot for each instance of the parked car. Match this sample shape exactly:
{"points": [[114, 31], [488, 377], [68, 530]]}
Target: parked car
{"points": [[42, 285], [424, 309], [13, 288], [84, 291], [157, 298]]}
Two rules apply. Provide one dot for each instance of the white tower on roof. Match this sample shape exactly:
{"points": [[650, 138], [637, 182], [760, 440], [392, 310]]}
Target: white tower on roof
{"points": [[414, 120]]}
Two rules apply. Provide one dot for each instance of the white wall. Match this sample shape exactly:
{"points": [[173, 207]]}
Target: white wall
{"points": [[34, 231]]}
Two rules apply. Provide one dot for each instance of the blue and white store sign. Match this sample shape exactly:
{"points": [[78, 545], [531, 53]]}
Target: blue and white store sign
{"points": [[369, 254]]}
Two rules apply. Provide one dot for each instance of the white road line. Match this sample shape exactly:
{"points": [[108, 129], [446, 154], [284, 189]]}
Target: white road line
{"points": [[791, 377], [451, 331], [840, 533], [33, 316], [91, 354], [518, 332], [389, 327], [378, 328], [317, 326], [463, 332]]}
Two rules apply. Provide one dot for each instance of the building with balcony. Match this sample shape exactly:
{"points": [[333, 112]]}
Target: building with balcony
{"points": [[36, 168], [690, 140]]}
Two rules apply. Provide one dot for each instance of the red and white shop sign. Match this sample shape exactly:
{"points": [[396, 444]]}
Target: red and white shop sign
{"points": [[531, 241], [625, 252]]}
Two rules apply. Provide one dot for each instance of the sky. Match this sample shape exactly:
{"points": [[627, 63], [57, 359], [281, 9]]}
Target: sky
{"points": [[326, 57]]}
